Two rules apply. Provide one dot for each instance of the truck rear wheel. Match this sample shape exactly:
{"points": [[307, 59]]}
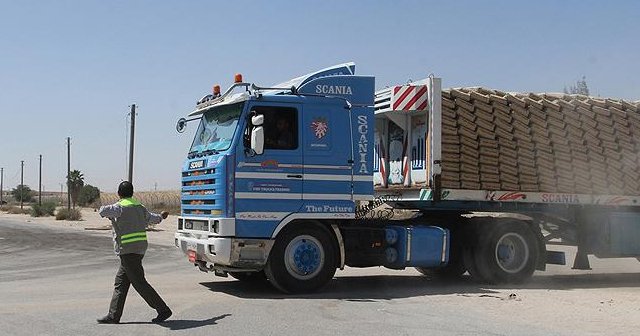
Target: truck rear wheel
{"points": [[506, 253], [469, 248], [302, 260]]}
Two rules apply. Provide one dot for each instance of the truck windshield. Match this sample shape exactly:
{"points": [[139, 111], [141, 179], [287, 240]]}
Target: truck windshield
{"points": [[217, 128]]}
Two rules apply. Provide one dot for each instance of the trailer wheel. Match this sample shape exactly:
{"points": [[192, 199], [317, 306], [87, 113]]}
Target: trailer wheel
{"points": [[508, 253], [302, 260], [249, 277]]}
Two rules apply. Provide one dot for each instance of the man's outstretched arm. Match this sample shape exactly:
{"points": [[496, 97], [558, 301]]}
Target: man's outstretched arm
{"points": [[110, 211], [154, 218]]}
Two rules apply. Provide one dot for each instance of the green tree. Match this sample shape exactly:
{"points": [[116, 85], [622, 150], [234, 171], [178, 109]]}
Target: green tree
{"points": [[88, 195], [580, 87], [75, 183], [23, 190]]}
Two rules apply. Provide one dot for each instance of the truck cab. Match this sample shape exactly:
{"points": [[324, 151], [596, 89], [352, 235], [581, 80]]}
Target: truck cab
{"points": [[265, 158]]}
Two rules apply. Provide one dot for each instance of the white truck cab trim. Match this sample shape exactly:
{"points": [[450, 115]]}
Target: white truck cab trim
{"points": [[211, 250], [227, 252], [224, 227]]}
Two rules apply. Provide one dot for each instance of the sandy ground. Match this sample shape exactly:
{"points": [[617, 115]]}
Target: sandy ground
{"points": [[91, 221], [605, 300]]}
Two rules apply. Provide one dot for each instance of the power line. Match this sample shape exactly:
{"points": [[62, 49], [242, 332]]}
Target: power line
{"points": [[16, 176]]}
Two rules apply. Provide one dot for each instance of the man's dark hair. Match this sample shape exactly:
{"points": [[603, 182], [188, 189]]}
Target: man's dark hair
{"points": [[125, 189]]}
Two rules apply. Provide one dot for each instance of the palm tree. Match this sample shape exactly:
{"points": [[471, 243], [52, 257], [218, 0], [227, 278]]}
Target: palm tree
{"points": [[75, 182]]}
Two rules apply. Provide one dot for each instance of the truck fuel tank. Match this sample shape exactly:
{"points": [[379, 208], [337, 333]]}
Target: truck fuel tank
{"points": [[416, 246]]}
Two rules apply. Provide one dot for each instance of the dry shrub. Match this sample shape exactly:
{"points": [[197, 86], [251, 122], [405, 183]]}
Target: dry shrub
{"points": [[72, 215], [17, 211], [46, 209]]}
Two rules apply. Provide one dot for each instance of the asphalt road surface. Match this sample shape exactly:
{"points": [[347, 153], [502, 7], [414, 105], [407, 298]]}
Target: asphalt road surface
{"points": [[57, 281]]}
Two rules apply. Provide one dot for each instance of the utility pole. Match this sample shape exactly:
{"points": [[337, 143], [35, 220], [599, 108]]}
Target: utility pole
{"points": [[40, 183], [133, 128], [68, 173], [21, 181], [1, 185]]}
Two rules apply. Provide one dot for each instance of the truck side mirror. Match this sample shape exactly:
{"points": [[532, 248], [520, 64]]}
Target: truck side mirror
{"points": [[257, 120], [181, 125], [257, 134]]}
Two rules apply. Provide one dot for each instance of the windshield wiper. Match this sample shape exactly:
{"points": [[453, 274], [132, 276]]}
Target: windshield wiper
{"points": [[210, 151], [194, 154]]}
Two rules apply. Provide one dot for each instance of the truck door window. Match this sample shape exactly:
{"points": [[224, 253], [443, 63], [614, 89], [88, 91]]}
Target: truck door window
{"points": [[280, 127]]}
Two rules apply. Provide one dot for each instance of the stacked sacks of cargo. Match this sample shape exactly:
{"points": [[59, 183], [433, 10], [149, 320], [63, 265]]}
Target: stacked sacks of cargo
{"points": [[451, 147], [493, 140]]}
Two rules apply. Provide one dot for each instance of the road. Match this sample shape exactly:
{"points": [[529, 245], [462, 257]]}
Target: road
{"points": [[56, 280]]}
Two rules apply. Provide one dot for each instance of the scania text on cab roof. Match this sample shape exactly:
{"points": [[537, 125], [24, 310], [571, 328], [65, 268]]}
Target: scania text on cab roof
{"points": [[281, 184]]}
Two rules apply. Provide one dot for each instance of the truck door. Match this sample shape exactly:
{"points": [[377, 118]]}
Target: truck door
{"points": [[327, 154], [269, 186]]}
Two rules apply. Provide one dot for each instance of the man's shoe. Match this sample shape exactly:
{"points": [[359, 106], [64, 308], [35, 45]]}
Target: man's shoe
{"points": [[108, 320], [162, 316]]}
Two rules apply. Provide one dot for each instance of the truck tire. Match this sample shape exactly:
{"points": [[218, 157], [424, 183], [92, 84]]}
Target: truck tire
{"points": [[469, 262], [302, 259], [469, 249], [249, 277], [506, 253]]}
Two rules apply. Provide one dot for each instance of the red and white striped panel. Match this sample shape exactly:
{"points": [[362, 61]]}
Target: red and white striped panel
{"points": [[409, 98]]}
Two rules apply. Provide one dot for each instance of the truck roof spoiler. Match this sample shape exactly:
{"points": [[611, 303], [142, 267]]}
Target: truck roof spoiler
{"points": [[348, 68]]}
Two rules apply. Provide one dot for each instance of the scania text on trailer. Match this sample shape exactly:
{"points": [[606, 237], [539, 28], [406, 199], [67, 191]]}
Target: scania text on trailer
{"points": [[291, 182]]}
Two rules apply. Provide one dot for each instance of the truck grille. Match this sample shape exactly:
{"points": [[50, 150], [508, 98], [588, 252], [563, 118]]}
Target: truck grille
{"points": [[203, 192]]}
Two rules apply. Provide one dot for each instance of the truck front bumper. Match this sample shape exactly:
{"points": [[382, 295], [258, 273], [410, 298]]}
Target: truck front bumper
{"points": [[225, 253]]}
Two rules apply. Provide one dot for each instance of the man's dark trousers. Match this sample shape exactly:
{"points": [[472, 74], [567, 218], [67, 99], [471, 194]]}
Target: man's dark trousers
{"points": [[132, 273]]}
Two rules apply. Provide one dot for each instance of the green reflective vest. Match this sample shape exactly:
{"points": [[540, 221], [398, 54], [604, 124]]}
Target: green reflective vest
{"points": [[129, 230]]}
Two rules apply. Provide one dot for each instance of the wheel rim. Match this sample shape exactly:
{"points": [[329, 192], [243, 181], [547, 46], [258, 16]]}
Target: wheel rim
{"points": [[304, 257], [512, 253]]}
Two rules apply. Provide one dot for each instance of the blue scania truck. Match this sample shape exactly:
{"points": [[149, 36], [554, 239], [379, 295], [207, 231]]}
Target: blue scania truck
{"points": [[291, 182]]}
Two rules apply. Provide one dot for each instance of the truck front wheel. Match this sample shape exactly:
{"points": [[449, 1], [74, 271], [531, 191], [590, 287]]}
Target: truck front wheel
{"points": [[506, 253], [302, 260]]}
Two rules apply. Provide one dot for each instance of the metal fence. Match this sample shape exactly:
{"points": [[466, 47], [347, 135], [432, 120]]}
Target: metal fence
{"points": [[169, 200]]}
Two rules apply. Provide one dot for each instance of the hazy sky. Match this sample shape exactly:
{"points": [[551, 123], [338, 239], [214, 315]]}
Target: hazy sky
{"points": [[72, 68]]}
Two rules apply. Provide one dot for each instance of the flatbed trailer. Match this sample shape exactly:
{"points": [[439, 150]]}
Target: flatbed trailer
{"points": [[563, 165]]}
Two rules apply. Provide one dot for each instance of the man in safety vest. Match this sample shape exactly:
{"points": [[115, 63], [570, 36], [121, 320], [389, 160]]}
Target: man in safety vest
{"points": [[129, 221]]}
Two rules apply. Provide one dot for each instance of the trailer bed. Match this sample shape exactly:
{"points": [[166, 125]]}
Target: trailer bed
{"points": [[488, 145]]}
